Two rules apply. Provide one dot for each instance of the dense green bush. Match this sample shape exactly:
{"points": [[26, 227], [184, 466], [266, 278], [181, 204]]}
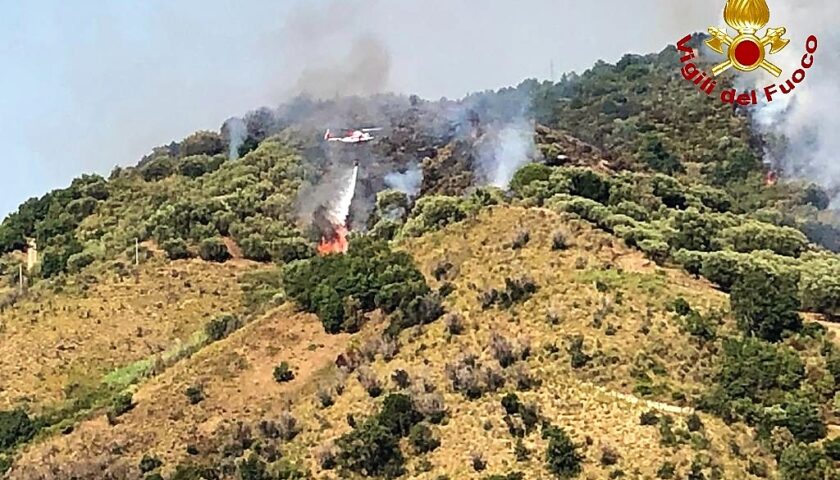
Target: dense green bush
{"points": [[529, 174], [283, 373], [255, 248], [654, 154], [286, 250], [16, 427], [756, 371], [176, 249], [697, 231], [201, 143], [78, 261], [372, 448], [798, 415], [765, 302], [819, 285], [432, 213], [222, 326], [802, 462], [588, 184], [672, 193], [213, 250], [832, 449], [763, 236], [149, 463], [423, 439], [561, 456], [370, 273]]}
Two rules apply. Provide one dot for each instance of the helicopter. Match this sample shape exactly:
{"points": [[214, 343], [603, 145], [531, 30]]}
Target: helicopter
{"points": [[362, 135]]}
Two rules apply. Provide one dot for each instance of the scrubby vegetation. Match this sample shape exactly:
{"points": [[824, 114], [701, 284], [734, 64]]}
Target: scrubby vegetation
{"points": [[340, 289], [581, 290]]}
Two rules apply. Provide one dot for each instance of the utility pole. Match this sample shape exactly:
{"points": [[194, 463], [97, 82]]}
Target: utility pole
{"points": [[20, 278]]}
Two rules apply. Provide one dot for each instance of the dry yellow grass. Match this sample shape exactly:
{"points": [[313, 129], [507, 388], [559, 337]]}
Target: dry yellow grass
{"points": [[52, 343], [596, 404]]}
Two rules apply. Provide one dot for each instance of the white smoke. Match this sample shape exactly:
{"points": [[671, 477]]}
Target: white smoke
{"points": [[407, 182], [505, 151], [339, 210], [236, 132], [807, 119]]}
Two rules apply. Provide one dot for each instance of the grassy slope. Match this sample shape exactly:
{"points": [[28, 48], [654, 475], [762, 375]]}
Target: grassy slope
{"points": [[236, 372], [56, 345]]}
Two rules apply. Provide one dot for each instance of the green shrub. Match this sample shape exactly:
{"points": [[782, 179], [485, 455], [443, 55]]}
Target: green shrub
{"points": [[432, 213], [655, 250], [195, 394], [423, 439], [222, 326], [588, 184], [78, 261], [654, 154], [819, 286], [632, 210], [722, 268], [176, 249], [754, 370], [712, 198], [287, 250], [509, 476], [122, 404], [283, 373], [666, 471], [802, 462], [15, 427], [764, 303], [371, 449], [802, 418], [370, 274], [832, 449], [697, 231], [561, 456], [511, 404], [670, 191], [255, 248], [529, 174], [398, 414], [213, 250], [149, 463], [754, 235], [691, 261], [201, 143], [648, 418]]}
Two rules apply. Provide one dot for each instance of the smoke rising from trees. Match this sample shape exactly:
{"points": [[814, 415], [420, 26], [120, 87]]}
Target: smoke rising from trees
{"points": [[98, 86]]}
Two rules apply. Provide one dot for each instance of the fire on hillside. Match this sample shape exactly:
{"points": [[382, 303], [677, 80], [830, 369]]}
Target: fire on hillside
{"points": [[331, 220]]}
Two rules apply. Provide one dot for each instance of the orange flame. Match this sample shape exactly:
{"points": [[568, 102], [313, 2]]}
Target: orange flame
{"points": [[336, 244]]}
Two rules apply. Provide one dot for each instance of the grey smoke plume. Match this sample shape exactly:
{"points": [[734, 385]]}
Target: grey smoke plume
{"points": [[407, 182], [317, 39], [505, 151], [236, 131], [807, 119]]}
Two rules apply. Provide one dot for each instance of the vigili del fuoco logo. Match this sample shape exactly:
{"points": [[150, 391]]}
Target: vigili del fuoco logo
{"points": [[746, 52]]}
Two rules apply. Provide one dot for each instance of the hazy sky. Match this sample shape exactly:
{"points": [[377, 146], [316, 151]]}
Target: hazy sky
{"points": [[87, 85]]}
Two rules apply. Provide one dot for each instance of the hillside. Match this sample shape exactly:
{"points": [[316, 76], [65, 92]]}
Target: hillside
{"points": [[593, 278], [236, 373]]}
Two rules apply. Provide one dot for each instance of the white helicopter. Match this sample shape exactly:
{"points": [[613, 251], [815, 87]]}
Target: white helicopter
{"points": [[352, 136]]}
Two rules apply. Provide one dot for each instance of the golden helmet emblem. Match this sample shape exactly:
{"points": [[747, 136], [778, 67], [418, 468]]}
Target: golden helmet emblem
{"points": [[747, 51]]}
